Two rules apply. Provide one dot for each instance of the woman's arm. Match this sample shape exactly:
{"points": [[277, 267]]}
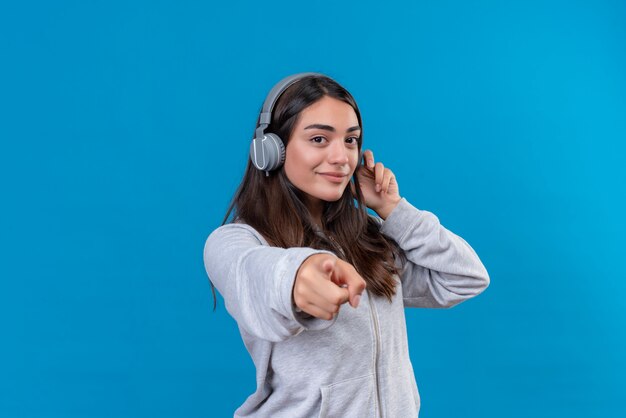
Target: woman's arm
{"points": [[442, 269], [256, 281]]}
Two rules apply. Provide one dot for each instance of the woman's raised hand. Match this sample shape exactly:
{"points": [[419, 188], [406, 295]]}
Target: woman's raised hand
{"points": [[324, 283], [379, 186]]}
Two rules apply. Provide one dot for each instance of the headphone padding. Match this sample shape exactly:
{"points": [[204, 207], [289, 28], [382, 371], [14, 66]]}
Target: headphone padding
{"points": [[275, 150]]}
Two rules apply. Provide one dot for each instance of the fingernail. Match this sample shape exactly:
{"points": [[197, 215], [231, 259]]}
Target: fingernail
{"points": [[357, 299]]}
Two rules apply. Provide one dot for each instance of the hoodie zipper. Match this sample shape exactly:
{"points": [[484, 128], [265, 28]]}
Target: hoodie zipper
{"points": [[376, 337], [376, 353]]}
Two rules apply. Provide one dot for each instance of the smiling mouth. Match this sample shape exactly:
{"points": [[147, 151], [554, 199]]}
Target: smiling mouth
{"points": [[333, 177]]}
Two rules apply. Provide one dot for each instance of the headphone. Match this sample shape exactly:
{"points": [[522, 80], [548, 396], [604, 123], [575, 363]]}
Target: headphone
{"points": [[267, 150]]}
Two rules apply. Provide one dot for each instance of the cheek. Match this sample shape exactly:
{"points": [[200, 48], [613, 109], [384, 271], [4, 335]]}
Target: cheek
{"points": [[302, 159], [297, 165], [354, 161]]}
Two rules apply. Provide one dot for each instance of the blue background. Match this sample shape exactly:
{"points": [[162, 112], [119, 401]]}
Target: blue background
{"points": [[125, 129]]}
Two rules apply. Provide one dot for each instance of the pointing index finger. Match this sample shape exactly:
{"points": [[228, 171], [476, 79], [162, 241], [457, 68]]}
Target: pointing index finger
{"points": [[356, 284]]}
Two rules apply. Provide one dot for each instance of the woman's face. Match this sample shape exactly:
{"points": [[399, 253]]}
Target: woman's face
{"points": [[322, 152]]}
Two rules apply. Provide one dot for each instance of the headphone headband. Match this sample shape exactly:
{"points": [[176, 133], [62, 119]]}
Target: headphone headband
{"points": [[268, 106]]}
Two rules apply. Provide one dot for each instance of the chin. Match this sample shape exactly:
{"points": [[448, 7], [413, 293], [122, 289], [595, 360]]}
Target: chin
{"points": [[331, 197]]}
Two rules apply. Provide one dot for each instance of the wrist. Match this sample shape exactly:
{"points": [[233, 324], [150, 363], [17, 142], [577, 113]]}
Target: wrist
{"points": [[384, 211]]}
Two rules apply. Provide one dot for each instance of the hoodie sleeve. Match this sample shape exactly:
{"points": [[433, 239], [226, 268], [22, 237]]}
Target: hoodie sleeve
{"points": [[256, 282], [442, 270]]}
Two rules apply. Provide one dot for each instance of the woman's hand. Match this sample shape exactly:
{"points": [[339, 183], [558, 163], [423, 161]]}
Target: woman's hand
{"points": [[324, 283], [379, 186]]}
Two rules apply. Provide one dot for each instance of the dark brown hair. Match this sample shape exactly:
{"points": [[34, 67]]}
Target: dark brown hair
{"points": [[275, 208]]}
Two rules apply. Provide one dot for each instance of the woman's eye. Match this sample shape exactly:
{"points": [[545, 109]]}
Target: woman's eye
{"points": [[352, 140], [318, 139]]}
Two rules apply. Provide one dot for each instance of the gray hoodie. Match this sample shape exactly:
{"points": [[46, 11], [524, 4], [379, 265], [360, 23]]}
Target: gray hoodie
{"points": [[357, 364]]}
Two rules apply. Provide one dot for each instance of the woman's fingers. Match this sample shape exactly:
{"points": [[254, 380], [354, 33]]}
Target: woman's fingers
{"points": [[324, 299], [319, 286], [329, 297], [382, 176], [318, 312], [379, 172], [368, 156], [388, 177], [348, 276]]}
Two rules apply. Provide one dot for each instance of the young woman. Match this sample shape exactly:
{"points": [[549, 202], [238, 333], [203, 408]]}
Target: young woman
{"points": [[318, 286]]}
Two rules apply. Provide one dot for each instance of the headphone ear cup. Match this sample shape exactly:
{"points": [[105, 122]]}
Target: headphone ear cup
{"points": [[267, 153], [279, 148]]}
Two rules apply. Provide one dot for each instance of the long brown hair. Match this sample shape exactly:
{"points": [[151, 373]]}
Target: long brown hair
{"points": [[275, 208]]}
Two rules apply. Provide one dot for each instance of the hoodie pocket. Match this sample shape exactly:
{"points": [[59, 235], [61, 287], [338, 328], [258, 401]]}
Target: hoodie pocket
{"points": [[354, 397]]}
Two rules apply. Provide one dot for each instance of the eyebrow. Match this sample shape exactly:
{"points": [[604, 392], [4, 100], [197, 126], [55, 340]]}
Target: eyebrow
{"points": [[330, 128]]}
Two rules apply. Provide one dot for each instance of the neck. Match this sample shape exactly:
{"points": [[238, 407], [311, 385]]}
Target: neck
{"points": [[316, 208]]}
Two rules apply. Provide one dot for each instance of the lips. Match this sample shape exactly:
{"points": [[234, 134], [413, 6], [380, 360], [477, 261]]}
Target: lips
{"points": [[334, 177]]}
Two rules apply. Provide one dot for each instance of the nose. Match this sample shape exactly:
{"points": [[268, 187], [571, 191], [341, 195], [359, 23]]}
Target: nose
{"points": [[337, 152]]}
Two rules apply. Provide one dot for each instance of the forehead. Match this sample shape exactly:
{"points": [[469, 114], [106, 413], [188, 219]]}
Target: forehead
{"points": [[329, 111]]}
